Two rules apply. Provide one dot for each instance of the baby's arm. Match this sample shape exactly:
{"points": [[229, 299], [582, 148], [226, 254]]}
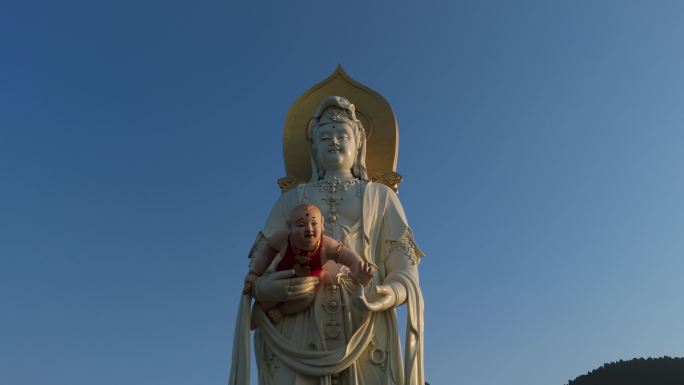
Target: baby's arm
{"points": [[361, 271], [263, 257]]}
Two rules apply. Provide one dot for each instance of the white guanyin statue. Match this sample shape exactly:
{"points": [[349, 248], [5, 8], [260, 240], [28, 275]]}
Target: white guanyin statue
{"points": [[348, 335]]}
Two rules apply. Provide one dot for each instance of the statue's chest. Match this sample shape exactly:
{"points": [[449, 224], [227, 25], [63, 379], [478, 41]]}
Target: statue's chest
{"points": [[339, 205]]}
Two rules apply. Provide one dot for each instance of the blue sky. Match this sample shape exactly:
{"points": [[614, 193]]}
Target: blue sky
{"points": [[140, 144]]}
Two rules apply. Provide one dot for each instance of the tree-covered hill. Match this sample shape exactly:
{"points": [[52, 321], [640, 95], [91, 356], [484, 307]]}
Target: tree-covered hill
{"points": [[638, 371]]}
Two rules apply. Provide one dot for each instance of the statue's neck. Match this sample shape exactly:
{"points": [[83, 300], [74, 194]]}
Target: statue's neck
{"points": [[340, 174]]}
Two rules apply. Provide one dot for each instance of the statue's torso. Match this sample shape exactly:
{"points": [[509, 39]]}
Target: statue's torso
{"points": [[342, 209], [333, 318], [341, 204]]}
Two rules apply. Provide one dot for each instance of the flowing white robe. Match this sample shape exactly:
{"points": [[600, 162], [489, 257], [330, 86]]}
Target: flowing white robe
{"points": [[365, 349]]}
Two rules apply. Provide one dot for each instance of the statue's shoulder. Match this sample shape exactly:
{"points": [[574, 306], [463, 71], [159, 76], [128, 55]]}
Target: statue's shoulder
{"points": [[381, 189], [293, 194]]}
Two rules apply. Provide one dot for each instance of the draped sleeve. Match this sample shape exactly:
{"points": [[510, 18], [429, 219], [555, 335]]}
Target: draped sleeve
{"points": [[382, 210]]}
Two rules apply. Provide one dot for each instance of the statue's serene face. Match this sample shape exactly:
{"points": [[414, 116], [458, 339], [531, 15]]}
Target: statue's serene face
{"points": [[306, 227], [335, 146]]}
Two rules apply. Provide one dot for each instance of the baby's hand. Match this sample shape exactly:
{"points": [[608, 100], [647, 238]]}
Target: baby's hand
{"points": [[365, 275]]}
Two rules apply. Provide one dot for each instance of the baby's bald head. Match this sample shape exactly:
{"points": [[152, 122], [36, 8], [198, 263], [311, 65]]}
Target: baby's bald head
{"points": [[305, 210]]}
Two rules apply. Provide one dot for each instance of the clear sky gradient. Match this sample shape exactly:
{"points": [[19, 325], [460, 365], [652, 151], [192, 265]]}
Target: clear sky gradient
{"points": [[541, 145]]}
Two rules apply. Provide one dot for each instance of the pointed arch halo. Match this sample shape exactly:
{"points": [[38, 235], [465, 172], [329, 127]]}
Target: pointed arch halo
{"points": [[375, 114]]}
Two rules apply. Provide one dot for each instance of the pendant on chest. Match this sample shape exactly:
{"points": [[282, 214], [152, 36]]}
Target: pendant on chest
{"points": [[301, 271], [335, 190]]}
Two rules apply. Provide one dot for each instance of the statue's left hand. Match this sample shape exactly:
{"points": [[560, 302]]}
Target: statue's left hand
{"points": [[382, 298]]}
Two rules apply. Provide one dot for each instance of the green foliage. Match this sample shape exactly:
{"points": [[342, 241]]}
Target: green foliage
{"points": [[638, 371]]}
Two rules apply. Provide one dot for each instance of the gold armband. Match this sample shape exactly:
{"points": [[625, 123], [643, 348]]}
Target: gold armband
{"points": [[247, 289], [337, 251]]}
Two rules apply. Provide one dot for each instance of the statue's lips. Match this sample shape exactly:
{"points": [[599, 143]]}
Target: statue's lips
{"points": [[335, 154]]}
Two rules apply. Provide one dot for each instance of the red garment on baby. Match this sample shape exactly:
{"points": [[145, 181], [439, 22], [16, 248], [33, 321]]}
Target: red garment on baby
{"points": [[314, 264]]}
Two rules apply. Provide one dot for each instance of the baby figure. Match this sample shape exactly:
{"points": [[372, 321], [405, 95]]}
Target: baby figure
{"points": [[305, 250]]}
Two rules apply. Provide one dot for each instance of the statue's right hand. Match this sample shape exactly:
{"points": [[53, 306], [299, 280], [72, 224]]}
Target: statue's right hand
{"points": [[282, 286]]}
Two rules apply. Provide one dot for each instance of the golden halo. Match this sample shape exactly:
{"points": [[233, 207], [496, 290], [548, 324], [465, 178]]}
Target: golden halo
{"points": [[376, 115]]}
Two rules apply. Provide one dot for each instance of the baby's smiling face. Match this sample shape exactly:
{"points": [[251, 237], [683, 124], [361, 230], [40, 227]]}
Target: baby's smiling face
{"points": [[306, 226]]}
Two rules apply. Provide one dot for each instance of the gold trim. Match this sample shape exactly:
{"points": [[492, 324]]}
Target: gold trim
{"points": [[372, 110], [286, 183], [390, 178]]}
